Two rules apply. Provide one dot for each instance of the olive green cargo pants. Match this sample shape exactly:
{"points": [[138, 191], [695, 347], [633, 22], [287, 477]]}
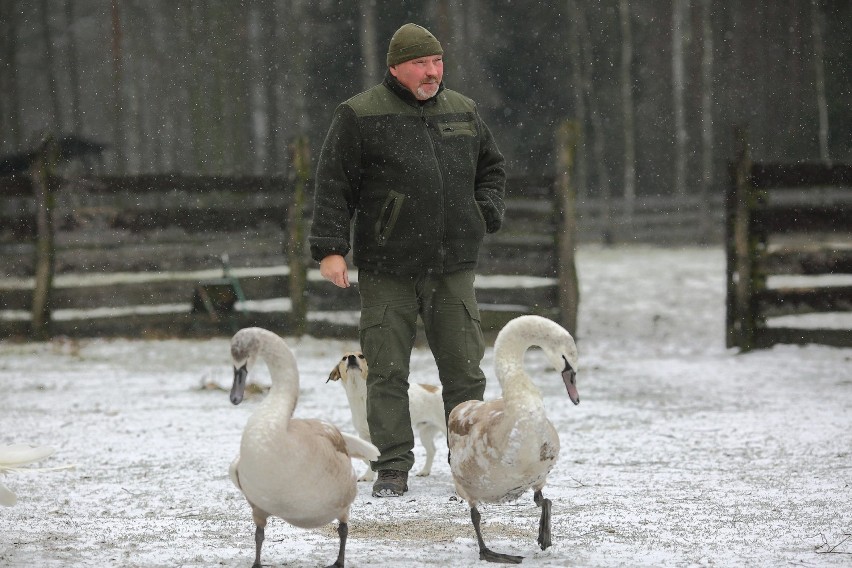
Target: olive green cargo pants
{"points": [[390, 305]]}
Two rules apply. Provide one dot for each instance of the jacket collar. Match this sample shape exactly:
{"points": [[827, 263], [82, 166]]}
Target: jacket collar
{"points": [[400, 91]]}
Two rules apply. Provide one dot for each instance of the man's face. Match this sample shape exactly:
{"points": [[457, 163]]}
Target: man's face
{"points": [[421, 76]]}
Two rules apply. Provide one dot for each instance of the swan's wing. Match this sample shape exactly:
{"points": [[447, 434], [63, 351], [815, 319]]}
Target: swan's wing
{"points": [[233, 474], [359, 448], [475, 414], [18, 455], [345, 444]]}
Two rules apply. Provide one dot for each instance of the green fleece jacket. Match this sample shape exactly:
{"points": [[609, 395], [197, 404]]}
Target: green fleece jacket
{"points": [[424, 182]]}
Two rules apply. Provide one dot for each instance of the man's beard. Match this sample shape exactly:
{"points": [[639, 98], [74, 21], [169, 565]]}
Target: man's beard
{"points": [[427, 91]]}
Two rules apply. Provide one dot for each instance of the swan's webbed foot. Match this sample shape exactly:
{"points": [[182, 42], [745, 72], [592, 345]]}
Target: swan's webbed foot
{"points": [[484, 552], [491, 556], [342, 532], [544, 540]]}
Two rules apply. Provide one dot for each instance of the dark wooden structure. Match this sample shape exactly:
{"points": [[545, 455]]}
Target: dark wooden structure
{"points": [[143, 257], [784, 220]]}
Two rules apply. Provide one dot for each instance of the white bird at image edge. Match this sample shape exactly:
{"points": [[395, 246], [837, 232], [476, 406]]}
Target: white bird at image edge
{"points": [[14, 458]]}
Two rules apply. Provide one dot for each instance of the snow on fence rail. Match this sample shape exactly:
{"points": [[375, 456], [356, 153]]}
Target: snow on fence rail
{"points": [[783, 222]]}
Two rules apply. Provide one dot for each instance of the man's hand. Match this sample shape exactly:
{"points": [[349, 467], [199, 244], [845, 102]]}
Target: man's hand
{"points": [[333, 268]]}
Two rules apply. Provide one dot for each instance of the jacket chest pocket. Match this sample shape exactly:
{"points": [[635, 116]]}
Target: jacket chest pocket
{"points": [[458, 128], [388, 216]]}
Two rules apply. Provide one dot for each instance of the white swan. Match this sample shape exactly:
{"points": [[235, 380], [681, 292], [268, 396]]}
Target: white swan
{"points": [[298, 470], [14, 458], [501, 448]]}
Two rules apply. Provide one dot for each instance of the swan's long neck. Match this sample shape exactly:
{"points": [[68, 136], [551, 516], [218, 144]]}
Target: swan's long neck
{"points": [[284, 393], [519, 392]]}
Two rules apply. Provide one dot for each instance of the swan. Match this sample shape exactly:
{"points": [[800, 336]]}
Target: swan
{"points": [[501, 448], [296, 469], [14, 457]]}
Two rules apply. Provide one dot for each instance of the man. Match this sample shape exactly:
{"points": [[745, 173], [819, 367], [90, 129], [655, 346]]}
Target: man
{"points": [[419, 171]]}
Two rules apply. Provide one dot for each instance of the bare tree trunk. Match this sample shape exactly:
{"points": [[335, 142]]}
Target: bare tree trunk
{"points": [[239, 146], [182, 155], [256, 88], [196, 82], [219, 159], [73, 68], [55, 122], [372, 70], [678, 87], [10, 122], [118, 138], [135, 68], [459, 28], [298, 45], [627, 111], [819, 68], [575, 49], [164, 39], [272, 56], [452, 20], [598, 145], [706, 114]]}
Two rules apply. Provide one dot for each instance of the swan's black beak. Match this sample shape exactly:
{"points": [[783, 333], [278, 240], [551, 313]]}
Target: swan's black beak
{"points": [[239, 386], [569, 377]]}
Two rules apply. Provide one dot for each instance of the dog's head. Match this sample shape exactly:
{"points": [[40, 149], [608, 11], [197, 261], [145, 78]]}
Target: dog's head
{"points": [[351, 367]]}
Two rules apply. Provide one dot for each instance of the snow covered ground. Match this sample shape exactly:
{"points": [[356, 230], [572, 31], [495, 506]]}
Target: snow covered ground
{"points": [[681, 453]]}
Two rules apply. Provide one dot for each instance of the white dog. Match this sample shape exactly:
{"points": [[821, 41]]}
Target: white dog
{"points": [[424, 402]]}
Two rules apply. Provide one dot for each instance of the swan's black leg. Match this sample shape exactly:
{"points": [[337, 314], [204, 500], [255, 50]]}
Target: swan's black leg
{"points": [[484, 552], [258, 542], [342, 532], [543, 524]]}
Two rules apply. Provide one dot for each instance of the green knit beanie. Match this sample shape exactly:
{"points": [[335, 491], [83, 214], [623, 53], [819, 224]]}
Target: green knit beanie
{"points": [[410, 42]]}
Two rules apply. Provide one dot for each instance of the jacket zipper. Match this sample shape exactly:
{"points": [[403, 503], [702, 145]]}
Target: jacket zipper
{"points": [[442, 252]]}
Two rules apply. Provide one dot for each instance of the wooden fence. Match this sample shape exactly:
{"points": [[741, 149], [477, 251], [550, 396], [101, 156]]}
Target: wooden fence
{"points": [[152, 256], [170, 255], [786, 220]]}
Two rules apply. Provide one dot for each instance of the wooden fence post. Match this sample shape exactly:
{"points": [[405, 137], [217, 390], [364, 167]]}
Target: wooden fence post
{"points": [[741, 324], [300, 166], [567, 138], [43, 184]]}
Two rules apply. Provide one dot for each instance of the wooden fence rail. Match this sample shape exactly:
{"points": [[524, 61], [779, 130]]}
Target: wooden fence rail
{"points": [[786, 220], [171, 255], [182, 256]]}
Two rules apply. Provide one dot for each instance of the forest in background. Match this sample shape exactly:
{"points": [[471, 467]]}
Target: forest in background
{"points": [[221, 87]]}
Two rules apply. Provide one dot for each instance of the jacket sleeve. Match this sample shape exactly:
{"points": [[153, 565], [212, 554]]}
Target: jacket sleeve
{"points": [[337, 184], [490, 180]]}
